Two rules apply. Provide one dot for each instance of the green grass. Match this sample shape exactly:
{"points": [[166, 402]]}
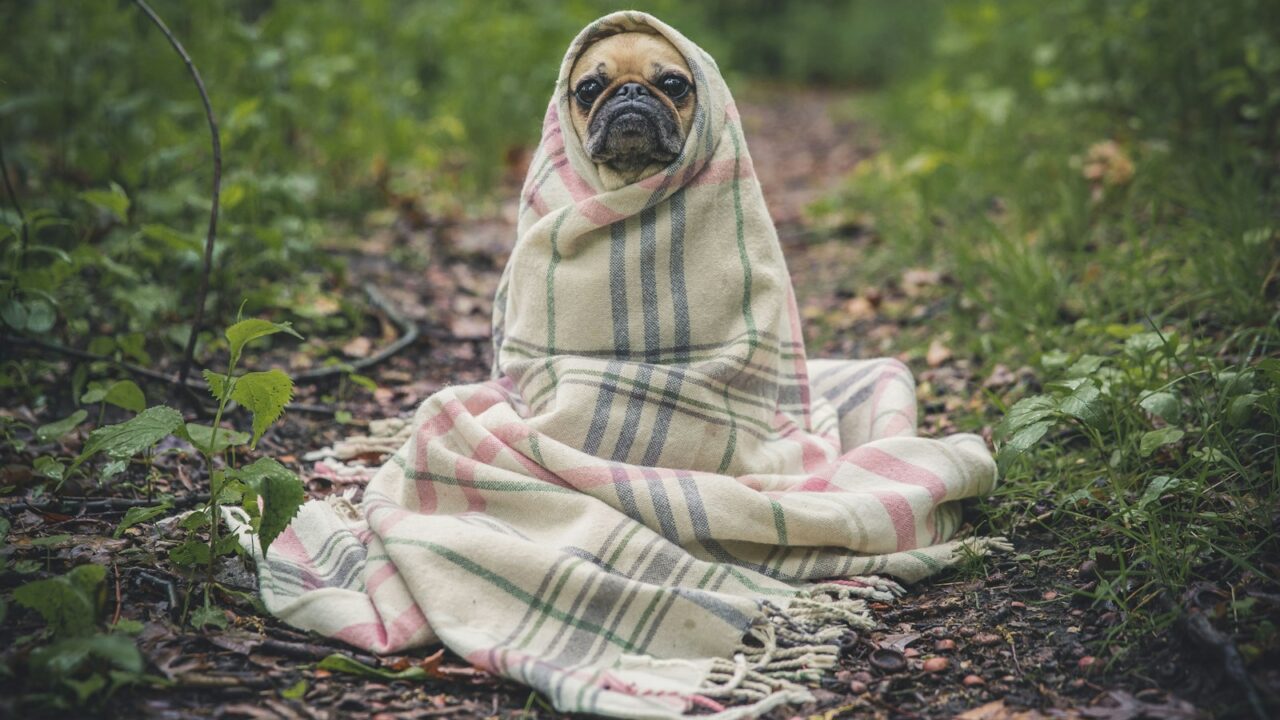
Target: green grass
{"points": [[1113, 225]]}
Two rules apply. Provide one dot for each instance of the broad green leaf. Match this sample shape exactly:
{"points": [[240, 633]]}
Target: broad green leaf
{"points": [[1084, 403], [1087, 365], [14, 314], [281, 492], [1164, 405], [344, 664], [131, 437], [201, 435], [208, 616], [49, 467], [68, 603], [126, 394], [113, 200], [1024, 439], [126, 626], [95, 394], [247, 330], [190, 553], [1143, 343], [295, 691], [1241, 409], [1158, 438], [55, 430], [1159, 485], [112, 468], [41, 315], [135, 346], [1027, 411], [264, 394], [137, 515], [217, 383]]}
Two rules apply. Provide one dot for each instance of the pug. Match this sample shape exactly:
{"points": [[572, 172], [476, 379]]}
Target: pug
{"points": [[632, 98]]}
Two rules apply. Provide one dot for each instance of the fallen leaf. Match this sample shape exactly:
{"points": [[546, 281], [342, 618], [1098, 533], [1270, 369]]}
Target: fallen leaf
{"points": [[937, 354], [358, 347]]}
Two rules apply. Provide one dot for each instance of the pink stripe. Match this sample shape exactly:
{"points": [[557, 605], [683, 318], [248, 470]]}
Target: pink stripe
{"points": [[901, 515], [379, 576], [377, 637], [900, 471]]}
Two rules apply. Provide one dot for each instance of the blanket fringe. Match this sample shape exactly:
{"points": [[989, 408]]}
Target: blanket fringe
{"points": [[797, 644]]}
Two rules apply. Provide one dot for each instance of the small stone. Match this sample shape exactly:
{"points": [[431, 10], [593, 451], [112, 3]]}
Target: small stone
{"points": [[1050, 595], [945, 645], [936, 664], [1018, 604], [986, 638], [1087, 662], [863, 677], [911, 652], [973, 681], [1089, 569], [857, 688]]}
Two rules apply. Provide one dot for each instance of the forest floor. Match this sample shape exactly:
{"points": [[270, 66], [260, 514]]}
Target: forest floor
{"points": [[1006, 639]]}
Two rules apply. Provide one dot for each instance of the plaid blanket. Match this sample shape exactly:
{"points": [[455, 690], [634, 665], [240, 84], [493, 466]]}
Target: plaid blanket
{"points": [[658, 503]]}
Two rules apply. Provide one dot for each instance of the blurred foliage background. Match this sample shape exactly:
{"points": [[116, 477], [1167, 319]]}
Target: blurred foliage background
{"points": [[330, 108]]}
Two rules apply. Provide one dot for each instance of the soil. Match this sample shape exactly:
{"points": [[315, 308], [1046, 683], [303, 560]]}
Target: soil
{"points": [[1009, 639]]}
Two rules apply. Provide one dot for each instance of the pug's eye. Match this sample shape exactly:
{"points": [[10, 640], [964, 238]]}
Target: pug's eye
{"points": [[674, 86], [588, 91]]}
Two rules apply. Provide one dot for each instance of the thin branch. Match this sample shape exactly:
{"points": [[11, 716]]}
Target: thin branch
{"points": [[408, 335], [189, 354], [13, 198]]}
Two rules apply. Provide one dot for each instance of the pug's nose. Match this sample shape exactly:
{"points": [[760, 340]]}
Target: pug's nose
{"points": [[632, 91]]}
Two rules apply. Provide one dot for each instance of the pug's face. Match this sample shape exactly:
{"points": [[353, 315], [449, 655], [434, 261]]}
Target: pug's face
{"points": [[632, 100]]}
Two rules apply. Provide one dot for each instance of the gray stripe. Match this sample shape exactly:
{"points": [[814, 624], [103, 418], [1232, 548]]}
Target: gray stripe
{"points": [[661, 424], [649, 282], [661, 505], [679, 297], [618, 286], [600, 419], [631, 421]]}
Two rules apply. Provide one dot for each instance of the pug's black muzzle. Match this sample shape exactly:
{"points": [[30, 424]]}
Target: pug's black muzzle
{"points": [[633, 129]]}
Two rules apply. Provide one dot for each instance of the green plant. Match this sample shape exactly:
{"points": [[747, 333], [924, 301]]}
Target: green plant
{"points": [[1174, 480], [268, 492], [78, 663]]}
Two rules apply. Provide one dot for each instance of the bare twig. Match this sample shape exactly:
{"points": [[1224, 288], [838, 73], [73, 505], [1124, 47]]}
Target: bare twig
{"points": [[189, 354], [408, 335], [13, 198]]}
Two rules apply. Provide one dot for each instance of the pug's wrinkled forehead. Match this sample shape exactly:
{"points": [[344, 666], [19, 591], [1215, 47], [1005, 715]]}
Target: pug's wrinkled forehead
{"points": [[631, 55]]}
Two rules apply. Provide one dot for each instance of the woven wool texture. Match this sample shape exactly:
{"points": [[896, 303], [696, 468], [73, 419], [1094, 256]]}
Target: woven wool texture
{"points": [[655, 469]]}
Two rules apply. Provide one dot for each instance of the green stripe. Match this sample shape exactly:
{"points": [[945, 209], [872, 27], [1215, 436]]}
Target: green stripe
{"points": [[928, 560], [543, 615], [622, 545], [510, 588], [779, 522]]}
